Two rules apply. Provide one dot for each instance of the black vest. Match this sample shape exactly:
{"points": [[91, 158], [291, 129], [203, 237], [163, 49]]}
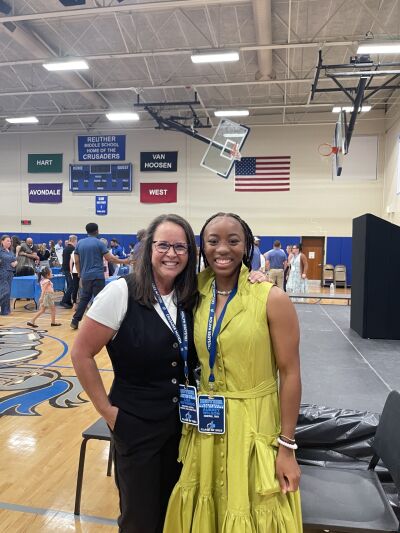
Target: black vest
{"points": [[147, 363]]}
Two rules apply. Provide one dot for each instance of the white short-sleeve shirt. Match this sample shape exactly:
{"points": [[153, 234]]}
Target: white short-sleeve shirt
{"points": [[110, 305]]}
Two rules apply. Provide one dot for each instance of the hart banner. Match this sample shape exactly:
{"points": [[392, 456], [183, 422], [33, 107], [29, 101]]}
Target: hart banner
{"points": [[45, 193], [263, 174], [158, 193], [40, 163]]}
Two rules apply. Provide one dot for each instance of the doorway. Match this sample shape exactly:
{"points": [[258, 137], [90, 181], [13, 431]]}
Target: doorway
{"points": [[314, 249]]}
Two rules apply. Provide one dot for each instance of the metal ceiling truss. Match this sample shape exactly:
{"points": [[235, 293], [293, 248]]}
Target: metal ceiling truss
{"points": [[177, 122], [362, 67]]}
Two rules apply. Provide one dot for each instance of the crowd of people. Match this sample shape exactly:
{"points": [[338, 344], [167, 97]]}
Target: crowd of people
{"points": [[286, 270], [25, 258]]}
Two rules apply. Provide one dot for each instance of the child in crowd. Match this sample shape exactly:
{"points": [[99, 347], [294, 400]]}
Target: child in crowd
{"points": [[46, 298]]}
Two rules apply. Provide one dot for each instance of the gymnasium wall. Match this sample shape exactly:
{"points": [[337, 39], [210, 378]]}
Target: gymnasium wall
{"points": [[391, 192], [315, 205]]}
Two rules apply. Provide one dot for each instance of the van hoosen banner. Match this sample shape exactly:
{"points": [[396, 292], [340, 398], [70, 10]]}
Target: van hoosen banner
{"points": [[158, 161], [158, 193], [45, 193]]}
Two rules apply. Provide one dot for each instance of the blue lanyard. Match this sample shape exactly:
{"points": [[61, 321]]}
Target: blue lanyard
{"points": [[183, 343], [212, 336]]}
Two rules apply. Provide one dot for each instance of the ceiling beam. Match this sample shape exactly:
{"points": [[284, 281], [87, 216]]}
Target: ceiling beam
{"points": [[159, 87], [180, 51], [206, 109], [129, 8]]}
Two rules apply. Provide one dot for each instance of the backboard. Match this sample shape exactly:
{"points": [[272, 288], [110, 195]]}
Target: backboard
{"points": [[340, 142], [228, 139]]}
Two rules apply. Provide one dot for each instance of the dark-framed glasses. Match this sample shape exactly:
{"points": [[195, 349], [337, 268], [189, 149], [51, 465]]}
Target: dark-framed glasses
{"points": [[180, 248]]}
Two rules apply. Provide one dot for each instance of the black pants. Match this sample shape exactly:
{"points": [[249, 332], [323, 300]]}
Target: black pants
{"points": [[68, 292], [75, 288], [285, 277], [89, 289], [146, 470]]}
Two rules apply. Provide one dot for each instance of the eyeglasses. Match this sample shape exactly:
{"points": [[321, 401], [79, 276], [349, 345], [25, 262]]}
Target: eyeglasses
{"points": [[180, 248]]}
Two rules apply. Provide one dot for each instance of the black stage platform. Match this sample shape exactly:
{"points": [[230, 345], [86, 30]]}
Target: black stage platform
{"points": [[339, 368]]}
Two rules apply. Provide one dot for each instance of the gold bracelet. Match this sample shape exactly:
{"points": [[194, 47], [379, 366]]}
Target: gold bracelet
{"points": [[287, 438]]}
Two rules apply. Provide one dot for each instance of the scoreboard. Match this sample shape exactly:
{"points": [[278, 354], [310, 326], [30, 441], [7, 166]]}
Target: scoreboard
{"points": [[103, 177]]}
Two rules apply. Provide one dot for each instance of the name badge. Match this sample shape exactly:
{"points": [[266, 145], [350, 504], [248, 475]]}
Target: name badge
{"points": [[188, 405], [211, 414]]}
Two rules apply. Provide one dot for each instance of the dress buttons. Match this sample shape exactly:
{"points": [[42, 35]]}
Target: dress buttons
{"points": [[175, 345], [174, 381], [175, 399], [221, 483], [222, 454], [219, 367], [174, 363], [222, 439], [221, 469]]}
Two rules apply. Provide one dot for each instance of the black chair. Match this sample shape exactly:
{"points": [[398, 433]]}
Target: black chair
{"points": [[339, 499], [99, 430]]}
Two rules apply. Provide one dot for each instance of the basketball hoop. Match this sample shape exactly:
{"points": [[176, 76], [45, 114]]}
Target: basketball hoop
{"points": [[326, 149], [234, 153]]}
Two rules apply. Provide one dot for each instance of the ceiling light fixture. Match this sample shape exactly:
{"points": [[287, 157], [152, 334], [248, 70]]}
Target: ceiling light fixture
{"points": [[379, 47], [363, 109], [232, 113], [122, 116], [69, 64], [217, 56], [22, 120]]}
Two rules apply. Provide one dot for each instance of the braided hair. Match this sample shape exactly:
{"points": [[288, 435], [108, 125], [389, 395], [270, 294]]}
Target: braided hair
{"points": [[248, 236]]}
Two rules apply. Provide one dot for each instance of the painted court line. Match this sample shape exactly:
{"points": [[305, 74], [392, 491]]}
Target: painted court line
{"points": [[55, 512], [357, 350], [66, 366]]}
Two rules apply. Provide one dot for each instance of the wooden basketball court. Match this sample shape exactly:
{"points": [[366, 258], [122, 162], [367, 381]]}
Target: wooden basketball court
{"points": [[44, 413]]}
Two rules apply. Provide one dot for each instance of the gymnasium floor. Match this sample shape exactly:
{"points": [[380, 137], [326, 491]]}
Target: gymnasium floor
{"points": [[40, 453]]}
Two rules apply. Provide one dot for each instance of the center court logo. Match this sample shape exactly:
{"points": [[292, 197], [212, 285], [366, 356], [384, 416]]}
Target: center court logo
{"points": [[31, 384]]}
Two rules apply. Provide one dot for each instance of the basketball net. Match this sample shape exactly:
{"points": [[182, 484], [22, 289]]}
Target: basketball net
{"points": [[234, 153], [326, 150]]}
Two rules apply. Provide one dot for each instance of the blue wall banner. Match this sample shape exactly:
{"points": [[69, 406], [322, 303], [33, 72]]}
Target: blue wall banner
{"points": [[45, 193], [158, 161], [101, 205], [101, 147]]}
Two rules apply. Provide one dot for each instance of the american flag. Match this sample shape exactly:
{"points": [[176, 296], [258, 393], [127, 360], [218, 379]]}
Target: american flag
{"points": [[266, 174]]}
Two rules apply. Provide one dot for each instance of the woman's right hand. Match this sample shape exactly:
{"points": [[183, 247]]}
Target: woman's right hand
{"points": [[111, 416]]}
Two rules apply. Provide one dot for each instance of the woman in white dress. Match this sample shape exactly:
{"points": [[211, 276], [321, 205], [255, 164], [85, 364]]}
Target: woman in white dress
{"points": [[297, 281]]}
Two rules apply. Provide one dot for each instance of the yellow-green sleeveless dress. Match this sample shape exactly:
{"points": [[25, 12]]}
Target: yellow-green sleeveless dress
{"points": [[228, 482]]}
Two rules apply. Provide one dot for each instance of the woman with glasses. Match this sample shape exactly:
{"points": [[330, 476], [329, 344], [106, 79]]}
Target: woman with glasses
{"points": [[145, 322], [240, 473]]}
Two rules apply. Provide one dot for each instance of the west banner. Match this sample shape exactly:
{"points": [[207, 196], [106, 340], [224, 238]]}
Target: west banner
{"points": [[158, 193]]}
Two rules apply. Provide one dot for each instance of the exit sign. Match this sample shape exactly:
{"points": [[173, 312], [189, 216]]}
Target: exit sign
{"points": [[45, 163]]}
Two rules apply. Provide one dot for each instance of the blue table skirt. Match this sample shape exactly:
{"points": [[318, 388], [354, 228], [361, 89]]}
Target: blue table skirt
{"points": [[28, 286]]}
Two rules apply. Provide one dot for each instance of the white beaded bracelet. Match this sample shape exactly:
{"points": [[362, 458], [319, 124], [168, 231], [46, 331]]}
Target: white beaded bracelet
{"points": [[286, 444]]}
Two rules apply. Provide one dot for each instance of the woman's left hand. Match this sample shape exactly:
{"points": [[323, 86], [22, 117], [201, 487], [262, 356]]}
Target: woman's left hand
{"points": [[257, 276], [287, 470]]}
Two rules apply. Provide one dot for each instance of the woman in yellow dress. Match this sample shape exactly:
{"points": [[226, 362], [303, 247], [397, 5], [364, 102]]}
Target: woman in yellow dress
{"points": [[243, 478]]}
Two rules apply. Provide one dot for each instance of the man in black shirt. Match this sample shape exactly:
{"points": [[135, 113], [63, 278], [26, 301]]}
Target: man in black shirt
{"points": [[66, 257]]}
